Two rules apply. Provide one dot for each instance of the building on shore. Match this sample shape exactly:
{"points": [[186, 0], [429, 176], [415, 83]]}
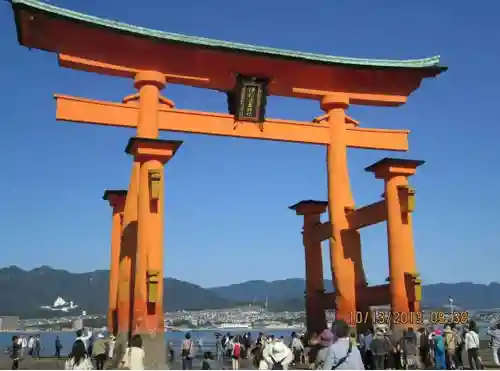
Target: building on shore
{"points": [[9, 323], [78, 324]]}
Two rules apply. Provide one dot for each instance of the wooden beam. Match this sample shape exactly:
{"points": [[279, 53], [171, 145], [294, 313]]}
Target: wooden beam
{"points": [[373, 296], [367, 215], [69, 61], [359, 218], [74, 109], [323, 231], [354, 98], [329, 300], [368, 296]]}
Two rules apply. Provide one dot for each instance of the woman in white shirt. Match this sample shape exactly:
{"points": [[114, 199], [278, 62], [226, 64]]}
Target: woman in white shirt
{"points": [[472, 346], [133, 359]]}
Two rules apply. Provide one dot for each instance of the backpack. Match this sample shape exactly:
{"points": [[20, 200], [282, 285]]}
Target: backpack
{"points": [[186, 350], [236, 350]]}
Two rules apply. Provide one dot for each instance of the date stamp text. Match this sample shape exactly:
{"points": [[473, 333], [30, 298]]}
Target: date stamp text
{"points": [[381, 317]]}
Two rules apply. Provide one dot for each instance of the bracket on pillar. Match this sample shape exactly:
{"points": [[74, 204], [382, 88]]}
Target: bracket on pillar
{"points": [[413, 286], [153, 279], [407, 198], [154, 183]]}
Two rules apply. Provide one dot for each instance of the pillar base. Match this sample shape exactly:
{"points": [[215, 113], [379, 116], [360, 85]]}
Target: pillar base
{"points": [[121, 343], [154, 346], [156, 351]]}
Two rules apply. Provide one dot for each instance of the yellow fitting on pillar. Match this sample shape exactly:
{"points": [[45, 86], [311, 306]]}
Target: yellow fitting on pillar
{"points": [[418, 289], [411, 200], [407, 198], [153, 280], [154, 182]]}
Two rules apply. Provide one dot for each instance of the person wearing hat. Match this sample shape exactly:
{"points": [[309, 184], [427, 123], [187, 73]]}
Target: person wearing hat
{"points": [[322, 344], [187, 352], [439, 350], [341, 354], [279, 356], [266, 350], [380, 347], [99, 351]]}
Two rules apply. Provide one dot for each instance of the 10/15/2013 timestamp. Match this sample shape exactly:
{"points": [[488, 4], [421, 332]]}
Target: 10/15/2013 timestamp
{"points": [[409, 318]]}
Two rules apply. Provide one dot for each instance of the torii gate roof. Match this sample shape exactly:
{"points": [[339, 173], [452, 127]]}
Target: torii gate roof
{"points": [[132, 48]]}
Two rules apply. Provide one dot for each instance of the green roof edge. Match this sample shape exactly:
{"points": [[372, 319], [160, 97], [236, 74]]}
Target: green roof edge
{"points": [[424, 63]]}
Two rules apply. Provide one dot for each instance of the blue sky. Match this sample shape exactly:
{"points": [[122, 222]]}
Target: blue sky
{"points": [[227, 199]]}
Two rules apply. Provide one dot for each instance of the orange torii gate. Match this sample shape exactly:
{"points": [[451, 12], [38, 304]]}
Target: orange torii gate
{"points": [[247, 74]]}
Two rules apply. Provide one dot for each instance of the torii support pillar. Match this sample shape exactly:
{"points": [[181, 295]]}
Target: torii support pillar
{"points": [[151, 154], [147, 101], [116, 199], [315, 288], [400, 203], [345, 244]]}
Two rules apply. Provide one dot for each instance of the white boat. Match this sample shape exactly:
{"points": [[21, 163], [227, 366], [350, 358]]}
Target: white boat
{"points": [[280, 326], [234, 326]]}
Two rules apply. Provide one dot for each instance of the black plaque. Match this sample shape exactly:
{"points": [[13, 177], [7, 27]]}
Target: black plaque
{"points": [[248, 100]]}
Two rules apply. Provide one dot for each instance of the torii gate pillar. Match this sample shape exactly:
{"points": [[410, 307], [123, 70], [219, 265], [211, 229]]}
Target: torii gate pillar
{"points": [[116, 199], [315, 288], [151, 154], [345, 245], [400, 203]]}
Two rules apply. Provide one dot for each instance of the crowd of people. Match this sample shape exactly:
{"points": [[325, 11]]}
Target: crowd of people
{"points": [[335, 348], [427, 348], [450, 348], [85, 353]]}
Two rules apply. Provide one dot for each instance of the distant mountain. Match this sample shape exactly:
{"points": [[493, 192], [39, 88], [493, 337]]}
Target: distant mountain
{"points": [[24, 292], [465, 294]]}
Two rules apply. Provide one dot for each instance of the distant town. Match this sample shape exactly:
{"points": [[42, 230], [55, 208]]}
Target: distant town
{"points": [[231, 319], [221, 319]]}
